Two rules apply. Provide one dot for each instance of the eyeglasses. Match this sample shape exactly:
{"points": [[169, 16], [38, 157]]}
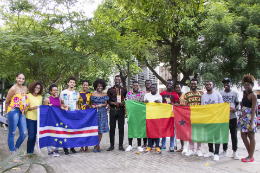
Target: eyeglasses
{"points": [[37, 88]]}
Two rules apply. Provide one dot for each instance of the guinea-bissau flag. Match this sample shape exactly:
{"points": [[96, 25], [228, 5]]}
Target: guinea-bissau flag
{"points": [[202, 123], [151, 120]]}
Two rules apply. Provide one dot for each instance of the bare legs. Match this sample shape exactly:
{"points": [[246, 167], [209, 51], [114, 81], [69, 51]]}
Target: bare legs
{"points": [[249, 144], [99, 138]]}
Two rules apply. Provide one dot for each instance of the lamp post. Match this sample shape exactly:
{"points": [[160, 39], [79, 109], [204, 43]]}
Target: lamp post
{"points": [[3, 83], [128, 76]]}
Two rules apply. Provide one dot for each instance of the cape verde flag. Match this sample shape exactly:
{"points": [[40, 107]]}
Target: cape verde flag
{"points": [[66, 129]]}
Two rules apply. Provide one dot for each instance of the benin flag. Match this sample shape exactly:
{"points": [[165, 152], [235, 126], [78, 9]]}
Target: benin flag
{"points": [[203, 123], [154, 120]]}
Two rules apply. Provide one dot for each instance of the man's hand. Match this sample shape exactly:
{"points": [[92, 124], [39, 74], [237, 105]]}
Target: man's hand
{"points": [[176, 104], [115, 103], [121, 104], [233, 110], [146, 101], [125, 115], [157, 101]]}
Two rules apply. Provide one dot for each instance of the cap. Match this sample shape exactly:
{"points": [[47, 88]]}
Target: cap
{"points": [[226, 79]]}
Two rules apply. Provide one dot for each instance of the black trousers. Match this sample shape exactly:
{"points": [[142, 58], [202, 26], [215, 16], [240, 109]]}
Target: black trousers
{"points": [[120, 116], [233, 132], [216, 148], [145, 141], [131, 141]]}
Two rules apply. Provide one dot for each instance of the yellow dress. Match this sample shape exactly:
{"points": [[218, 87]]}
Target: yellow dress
{"points": [[84, 100], [34, 101], [20, 101]]}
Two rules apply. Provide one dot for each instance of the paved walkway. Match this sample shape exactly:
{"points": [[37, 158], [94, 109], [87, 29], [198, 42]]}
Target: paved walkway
{"points": [[117, 161]]}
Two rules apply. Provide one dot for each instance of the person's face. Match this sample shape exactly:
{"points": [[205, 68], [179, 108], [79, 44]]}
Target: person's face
{"points": [[54, 91], [117, 81], [148, 84], [71, 83], [227, 85], [20, 79], [178, 88], [169, 84], [248, 86], [99, 87], [135, 87], [153, 89], [85, 86], [37, 89], [193, 85], [209, 86]]}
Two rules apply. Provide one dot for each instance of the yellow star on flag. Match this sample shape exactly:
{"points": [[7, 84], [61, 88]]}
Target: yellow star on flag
{"points": [[65, 140], [68, 135], [57, 124], [61, 123], [66, 126], [53, 128], [52, 134], [56, 139], [69, 130], [60, 142]]}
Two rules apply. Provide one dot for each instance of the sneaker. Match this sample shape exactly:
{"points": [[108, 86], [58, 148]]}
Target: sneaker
{"points": [[235, 156], [66, 153], [110, 148], [209, 154], [200, 154], [140, 149], [216, 157], [171, 149], [73, 151], [56, 153], [121, 148], [162, 148], [223, 154], [184, 151], [189, 153], [129, 148], [153, 147], [158, 150], [51, 154], [148, 149]]}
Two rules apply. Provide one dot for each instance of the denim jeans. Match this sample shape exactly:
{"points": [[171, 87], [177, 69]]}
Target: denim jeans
{"points": [[150, 142], [171, 142], [49, 148], [32, 131], [15, 118]]}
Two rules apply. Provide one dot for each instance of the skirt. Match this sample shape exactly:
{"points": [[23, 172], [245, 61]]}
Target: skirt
{"points": [[244, 120]]}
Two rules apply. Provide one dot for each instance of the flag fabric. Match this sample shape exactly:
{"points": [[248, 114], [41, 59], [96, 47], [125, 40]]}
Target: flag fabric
{"points": [[66, 129], [202, 123], [151, 120]]}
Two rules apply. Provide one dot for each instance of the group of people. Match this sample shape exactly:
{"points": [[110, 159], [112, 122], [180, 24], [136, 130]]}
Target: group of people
{"points": [[21, 111]]}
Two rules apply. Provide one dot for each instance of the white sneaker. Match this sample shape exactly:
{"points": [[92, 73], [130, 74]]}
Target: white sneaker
{"points": [[235, 156], [189, 153], [216, 157], [209, 154], [223, 154], [140, 149], [129, 148], [200, 154], [184, 151]]}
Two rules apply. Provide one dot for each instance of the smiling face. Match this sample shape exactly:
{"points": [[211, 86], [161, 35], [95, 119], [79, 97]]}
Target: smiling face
{"points": [[248, 86], [54, 91], [148, 84], [153, 89], [99, 87], [227, 85], [169, 85], [37, 89], [209, 86], [72, 84], [85, 86], [135, 87], [177, 89], [117, 81], [20, 79], [193, 85]]}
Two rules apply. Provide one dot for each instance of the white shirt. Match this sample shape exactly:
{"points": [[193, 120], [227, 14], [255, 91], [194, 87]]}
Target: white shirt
{"points": [[70, 98], [152, 98]]}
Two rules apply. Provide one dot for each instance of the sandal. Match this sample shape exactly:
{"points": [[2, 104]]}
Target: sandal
{"points": [[81, 150], [95, 149], [179, 150]]}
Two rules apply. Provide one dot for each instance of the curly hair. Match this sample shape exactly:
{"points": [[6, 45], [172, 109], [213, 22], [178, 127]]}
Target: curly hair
{"points": [[52, 86], [99, 81], [33, 85], [248, 78]]}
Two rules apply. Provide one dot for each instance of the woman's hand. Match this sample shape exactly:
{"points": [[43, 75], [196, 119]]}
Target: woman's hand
{"points": [[93, 106], [50, 104], [252, 126]]}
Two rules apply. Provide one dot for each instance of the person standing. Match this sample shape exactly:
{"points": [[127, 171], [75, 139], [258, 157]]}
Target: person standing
{"points": [[193, 98], [117, 95], [137, 96], [231, 97], [15, 105], [247, 117], [157, 98], [211, 97], [35, 100], [70, 99], [54, 100], [84, 103], [169, 96], [99, 101]]}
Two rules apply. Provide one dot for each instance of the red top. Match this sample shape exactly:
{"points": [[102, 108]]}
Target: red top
{"points": [[172, 95]]}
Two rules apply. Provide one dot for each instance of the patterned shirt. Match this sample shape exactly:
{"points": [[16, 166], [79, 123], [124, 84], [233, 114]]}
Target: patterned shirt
{"points": [[137, 97], [193, 99], [84, 100]]}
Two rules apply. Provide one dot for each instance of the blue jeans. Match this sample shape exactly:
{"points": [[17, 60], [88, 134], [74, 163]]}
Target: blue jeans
{"points": [[49, 148], [15, 118], [171, 142], [32, 131], [150, 142]]}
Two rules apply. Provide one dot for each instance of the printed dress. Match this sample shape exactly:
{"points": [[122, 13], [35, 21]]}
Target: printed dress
{"points": [[84, 99], [102, 113]]}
